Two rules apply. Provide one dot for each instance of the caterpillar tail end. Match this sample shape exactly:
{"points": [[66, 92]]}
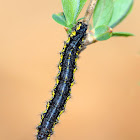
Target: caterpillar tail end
{"points": [[42, 136]]}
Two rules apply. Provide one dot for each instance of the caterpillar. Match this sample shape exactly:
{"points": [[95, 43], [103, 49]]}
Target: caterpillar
{"points": [[64, 81]]}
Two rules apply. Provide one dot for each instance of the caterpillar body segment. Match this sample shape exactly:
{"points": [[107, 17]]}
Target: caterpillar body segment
{"points": [[64, 81]]}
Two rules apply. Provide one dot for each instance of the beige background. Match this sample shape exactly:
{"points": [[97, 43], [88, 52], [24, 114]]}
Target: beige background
{"points": [[105, 103]]}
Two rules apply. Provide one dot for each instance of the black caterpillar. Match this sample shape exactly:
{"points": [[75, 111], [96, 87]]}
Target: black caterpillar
{"points": [[65, 79]]}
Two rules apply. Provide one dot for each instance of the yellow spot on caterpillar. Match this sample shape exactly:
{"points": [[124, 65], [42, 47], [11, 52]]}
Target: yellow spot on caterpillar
{"points": [[78, 27], [53, 127], [72, 84], [73, 34], [74, 70], [54, 87], [42, 116], [80, 47], [59, 115], [58, 74], [68, 98], [45, 111], [68, 40], [58, 118], [48, 138], [57, 81], [61, 112], [60, 68], [65, 46], [53, 93], [65, 79], [48, 104], [61, 58], [62, 90]]}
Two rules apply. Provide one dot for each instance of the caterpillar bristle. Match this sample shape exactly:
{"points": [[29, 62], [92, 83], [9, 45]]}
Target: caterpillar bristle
{"points": [[60, 53]]}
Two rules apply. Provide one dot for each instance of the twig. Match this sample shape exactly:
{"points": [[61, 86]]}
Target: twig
{"points": [[90, 38], [89, 11]]}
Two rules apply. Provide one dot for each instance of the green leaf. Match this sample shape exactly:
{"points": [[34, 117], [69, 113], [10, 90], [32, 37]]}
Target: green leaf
{"points": [[102, 32], [103, 12], [70, 8], [79, 19], [60, 18], [121, 9], [82, 3], [124, 34], [90, 27]]}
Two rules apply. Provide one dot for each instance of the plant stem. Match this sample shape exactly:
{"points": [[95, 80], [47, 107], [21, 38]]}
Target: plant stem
{"points": [[89, 11], [90, 38]]}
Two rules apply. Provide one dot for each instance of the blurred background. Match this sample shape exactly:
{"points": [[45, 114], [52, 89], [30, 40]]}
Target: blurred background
{"points": [[105, 103]]}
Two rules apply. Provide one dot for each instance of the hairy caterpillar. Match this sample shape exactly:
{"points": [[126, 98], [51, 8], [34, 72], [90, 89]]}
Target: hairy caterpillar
{"points": [[65, 79]]}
